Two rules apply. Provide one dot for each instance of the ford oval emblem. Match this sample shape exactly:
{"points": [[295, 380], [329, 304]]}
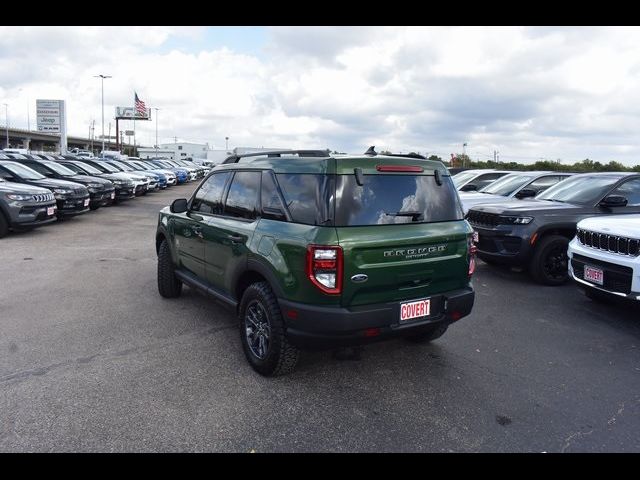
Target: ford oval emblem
{"points": [[360, 278]]}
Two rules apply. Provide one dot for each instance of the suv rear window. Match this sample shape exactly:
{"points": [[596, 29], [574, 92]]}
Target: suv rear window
{"points": [[389, 199]]}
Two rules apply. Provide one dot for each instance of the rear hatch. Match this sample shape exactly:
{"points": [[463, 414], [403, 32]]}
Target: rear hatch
{"points": [[402, 229]]}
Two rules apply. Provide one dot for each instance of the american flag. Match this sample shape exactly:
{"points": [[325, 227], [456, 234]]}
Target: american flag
{"points": [[141, 109]]}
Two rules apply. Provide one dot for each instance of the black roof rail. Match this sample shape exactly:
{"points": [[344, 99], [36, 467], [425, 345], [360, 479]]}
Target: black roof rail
{"points": [[278, 153], [372, 153], [406, 155]]}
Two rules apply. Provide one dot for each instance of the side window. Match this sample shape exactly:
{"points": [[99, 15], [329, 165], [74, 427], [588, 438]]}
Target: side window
{"points": [[208, 198], [631, 191], [541, 184], [38, 168], [272, 206], [243, 195], [484, 180]]}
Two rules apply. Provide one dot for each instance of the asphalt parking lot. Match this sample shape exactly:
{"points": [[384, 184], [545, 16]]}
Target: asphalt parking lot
{"points": [[93, 359]]}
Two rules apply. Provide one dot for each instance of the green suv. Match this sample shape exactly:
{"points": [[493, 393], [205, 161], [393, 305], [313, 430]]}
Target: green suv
{"points": [[314, 250]]}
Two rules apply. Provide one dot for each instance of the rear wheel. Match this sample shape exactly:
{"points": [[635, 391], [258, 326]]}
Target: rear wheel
{"points": [[549, 264], [168, 285], [4, 225], [428, 334], [262, 332]]}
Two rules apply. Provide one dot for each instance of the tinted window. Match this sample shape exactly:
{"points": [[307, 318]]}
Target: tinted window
{"points": [[243, 195], [507, 184], [22, 171], [541, 184], [486, 179], [38, 168], [462, 177], [582, 190], [629, 190], [388, 199], [308, 197], [208, 198], [271, 200]]}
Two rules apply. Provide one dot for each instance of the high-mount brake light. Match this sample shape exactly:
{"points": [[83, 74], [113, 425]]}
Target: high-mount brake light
{"points": [[324, 267], [399, 168]]}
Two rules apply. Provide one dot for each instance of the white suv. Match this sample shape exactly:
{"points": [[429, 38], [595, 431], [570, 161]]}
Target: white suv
{"points": [[604, 256]]}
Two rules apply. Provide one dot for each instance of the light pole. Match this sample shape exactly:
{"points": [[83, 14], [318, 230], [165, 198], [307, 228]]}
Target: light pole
{"points": [[6, 121], [156, 109], [102, 77], [226, 140]]}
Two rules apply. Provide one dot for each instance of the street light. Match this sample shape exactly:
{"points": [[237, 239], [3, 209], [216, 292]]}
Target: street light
{"points": [[226, 139], [102, 77], [6, 113], [156, 109]]}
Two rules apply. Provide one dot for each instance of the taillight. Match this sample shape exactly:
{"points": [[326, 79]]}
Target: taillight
{"points": [[472, 255], [324, 267]]}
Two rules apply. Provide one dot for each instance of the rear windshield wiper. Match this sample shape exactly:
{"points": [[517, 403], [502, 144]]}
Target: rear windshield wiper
{"points": [[415, 216]]}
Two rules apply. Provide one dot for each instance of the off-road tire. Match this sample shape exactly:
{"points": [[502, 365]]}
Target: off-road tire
{"points": [[549, 246], [281, 356], [427, 335], [168, 285], [4, 225]]}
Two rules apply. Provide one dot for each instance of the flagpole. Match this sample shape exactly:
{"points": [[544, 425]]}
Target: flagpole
{"points": [[134, 123]]}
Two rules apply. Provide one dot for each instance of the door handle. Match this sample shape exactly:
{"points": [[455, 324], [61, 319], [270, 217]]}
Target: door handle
{"points": [[235, 238], [197, 230]]}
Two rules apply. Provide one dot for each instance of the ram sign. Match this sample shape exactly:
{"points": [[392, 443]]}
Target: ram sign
{"points": [[130, 112]]}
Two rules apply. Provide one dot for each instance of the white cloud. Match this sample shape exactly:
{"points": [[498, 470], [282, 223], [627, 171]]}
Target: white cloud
{"points": [[530, 93]]}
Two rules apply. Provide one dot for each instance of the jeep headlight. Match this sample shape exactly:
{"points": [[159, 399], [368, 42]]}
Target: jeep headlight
{"points": [[63, 191], [517, 220], [15, 196], [93, 185]]}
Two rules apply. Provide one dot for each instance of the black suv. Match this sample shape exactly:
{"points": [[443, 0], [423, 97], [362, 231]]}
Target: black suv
{"points": [[124, 187], [71, 198], [536, 233], [322, 250], [101, 190]]}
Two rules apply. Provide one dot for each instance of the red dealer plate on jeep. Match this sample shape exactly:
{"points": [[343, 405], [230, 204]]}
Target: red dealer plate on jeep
{"points": [[51, 211], [595, 275], [417, 309]]}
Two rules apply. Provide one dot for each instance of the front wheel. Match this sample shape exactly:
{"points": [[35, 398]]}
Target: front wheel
{"points": [[168, 285], [549, 265], [262, 332]]}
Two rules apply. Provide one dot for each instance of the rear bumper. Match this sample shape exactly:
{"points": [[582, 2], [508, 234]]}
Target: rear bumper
{"points": [[316, 326]]}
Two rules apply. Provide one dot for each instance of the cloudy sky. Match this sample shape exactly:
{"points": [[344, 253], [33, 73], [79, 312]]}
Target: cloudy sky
{"points": [[530, 93]]}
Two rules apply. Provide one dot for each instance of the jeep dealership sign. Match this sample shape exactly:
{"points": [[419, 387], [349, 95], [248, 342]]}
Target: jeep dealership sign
{"points": [[52, 118]]}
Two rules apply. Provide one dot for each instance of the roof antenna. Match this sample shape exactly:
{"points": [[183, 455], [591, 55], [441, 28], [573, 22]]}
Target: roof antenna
{"points": [[371, 151]]}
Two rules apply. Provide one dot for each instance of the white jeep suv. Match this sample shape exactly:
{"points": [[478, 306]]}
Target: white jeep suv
{"points": [[604, 256]]}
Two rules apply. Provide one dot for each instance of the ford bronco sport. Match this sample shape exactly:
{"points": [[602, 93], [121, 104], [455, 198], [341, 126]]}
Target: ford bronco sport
{"points": [[318, 250]]}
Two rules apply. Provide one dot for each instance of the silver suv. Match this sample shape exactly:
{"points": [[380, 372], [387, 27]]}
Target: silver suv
{"points": [[24, 206]]}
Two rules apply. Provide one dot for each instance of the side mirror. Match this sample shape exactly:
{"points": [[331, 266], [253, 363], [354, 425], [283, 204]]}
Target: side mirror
{"points": [[469, 187], [526, 193], [179, 206], [613, 201]]}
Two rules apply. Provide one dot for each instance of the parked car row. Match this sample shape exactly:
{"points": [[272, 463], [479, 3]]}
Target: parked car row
{"points": [[37, 189], [585, 227]]}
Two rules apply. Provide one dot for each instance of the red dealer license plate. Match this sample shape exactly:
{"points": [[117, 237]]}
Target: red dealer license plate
{"points": [[417, 309], [595, 275]]}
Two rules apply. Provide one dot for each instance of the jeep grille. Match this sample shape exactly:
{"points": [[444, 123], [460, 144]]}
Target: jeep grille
{"points": [[609, 243]]}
